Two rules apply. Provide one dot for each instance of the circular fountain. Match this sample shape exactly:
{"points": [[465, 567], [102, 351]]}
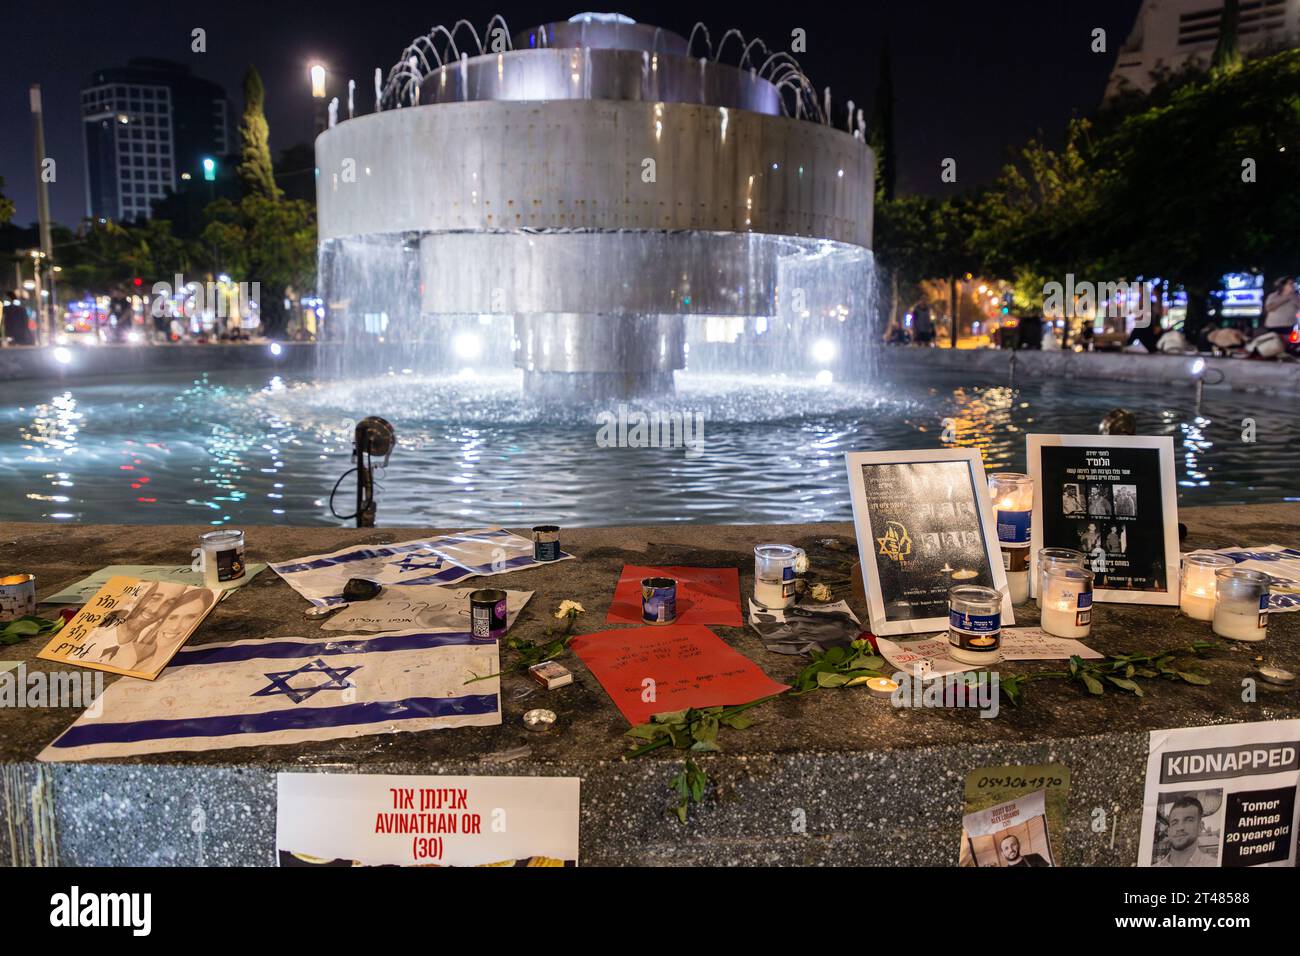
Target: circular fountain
{"points": [[593, 202]]}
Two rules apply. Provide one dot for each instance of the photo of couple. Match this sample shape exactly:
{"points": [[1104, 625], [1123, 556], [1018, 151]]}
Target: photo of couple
{"points": [[141, 627]]}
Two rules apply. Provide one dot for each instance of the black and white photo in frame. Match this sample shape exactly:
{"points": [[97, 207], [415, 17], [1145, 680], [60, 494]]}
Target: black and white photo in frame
{"points": [[924, 524], [1115, 498]]}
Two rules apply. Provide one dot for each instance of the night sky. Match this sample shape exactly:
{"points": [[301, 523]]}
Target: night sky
{"points": [[972, 80]]}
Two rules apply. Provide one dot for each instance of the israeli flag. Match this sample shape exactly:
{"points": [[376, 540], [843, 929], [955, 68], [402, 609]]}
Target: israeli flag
{"points": [[289, 690], [440, 562]]}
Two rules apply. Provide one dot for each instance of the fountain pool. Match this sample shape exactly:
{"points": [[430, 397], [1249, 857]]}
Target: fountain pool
{"points": [[247, 448]]}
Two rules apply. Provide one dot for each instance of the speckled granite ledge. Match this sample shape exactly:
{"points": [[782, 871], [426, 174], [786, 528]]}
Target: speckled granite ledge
{"points": [[876, 785]]}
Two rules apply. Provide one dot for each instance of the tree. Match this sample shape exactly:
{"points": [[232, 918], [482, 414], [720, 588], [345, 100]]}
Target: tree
{"points": [[268, 241], [880, 132], [1038, 214], [1227, 55], [256, 174], [6, 204], [1209, 183]]}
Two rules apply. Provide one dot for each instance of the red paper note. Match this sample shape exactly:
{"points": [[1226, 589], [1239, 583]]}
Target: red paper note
{"points": [[704, 595], [689, 665]]}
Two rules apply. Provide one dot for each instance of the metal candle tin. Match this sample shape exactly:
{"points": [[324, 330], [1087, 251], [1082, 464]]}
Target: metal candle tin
{"points": [[658, 600], [974, 624], [487, 614], [546, 542], [17, 596]]}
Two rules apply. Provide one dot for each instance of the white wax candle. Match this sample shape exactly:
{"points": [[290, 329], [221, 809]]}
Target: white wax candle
{"points": [[1059, 619], [1018, 586], [1239, 622], [774, 594], [1198, 605]]}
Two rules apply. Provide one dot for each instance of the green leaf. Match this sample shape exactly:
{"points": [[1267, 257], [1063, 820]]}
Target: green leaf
{"points": [[738, 721], [671, 717], [1126, 684], [646, 732], [1013, 688], [1193, 678], [1094, 686], [826, 679]]}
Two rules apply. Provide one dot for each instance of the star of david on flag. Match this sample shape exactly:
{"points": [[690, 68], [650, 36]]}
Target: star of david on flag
{"points": [[338, 680]]}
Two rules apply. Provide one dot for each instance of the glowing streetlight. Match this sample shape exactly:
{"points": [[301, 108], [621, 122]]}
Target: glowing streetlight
{"points": [[318, 81]]}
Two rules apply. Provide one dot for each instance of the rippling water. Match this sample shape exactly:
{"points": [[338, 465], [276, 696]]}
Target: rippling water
{"points": [[247, 448]]}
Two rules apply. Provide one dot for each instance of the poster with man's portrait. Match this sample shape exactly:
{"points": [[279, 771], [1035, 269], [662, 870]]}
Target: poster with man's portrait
{"points": [[131, 626], [1113, 498], [924, 524], [1014, 834], [1188, 825]]}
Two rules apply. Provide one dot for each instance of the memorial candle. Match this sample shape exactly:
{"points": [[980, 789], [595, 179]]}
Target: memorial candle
{"points": [[1049, 558], [1241, 604], [1067, 602], [1196, 595], [1013, 503]]}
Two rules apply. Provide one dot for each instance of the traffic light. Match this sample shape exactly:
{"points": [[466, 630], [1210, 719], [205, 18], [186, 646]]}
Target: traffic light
{"points": [[209, 169]]}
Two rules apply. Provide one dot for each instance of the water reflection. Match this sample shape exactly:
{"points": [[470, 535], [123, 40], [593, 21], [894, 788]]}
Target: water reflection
{"points": [[248, 449]]}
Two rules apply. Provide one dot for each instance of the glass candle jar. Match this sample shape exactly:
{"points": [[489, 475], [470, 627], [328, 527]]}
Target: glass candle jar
{"points": [[1067, 602], [775, 568], [1196, 592], [1241, 604], [974, 624], [1049, 558], [1013, 504], [220, 556]]}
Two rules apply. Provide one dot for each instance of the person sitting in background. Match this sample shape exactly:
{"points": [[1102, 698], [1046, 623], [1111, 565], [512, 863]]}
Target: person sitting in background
{"points": [[922, 325], [1281, 306]]}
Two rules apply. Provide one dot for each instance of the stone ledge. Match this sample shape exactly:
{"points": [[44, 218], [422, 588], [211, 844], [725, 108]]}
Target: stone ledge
{"points": [[876, 784], [1242, 375]]}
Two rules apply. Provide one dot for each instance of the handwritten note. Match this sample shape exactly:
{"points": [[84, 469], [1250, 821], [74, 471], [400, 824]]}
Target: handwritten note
{"points": [[704, 595], [1018, 644], [426, 608], [650, 670], [82, 591]]}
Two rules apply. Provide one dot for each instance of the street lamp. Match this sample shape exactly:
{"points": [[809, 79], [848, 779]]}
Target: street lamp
{"points": [[318, 97]]}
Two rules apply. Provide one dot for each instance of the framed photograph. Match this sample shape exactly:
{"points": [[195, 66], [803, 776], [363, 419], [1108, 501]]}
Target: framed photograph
{"points": [[1113, 497], [924, 524]]}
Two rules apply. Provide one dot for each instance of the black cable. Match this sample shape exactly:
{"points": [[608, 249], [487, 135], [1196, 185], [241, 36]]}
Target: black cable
{"points": [[335, 491]]}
